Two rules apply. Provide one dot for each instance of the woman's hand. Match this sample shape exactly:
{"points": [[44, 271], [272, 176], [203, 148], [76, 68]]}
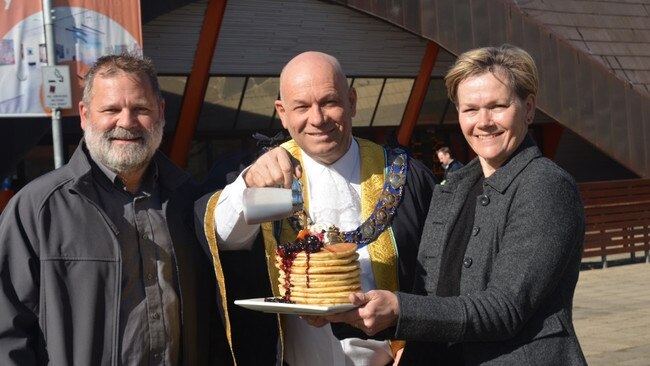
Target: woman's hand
{"points": [[376, 311]]}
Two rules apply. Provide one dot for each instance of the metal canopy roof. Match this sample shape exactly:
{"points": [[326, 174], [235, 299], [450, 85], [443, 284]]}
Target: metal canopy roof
{"points": [[593, 58]]}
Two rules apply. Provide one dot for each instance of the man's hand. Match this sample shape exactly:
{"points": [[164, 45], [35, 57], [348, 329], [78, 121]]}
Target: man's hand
{"points": [[377, 310], [275, 168]]}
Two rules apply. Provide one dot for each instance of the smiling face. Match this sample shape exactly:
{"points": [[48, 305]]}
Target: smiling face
{"points": [[317, 106], [123, 122], [493, 119]]}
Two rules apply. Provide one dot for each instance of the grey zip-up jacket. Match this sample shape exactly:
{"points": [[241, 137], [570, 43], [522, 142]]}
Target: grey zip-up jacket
{"points": [[519, 271], [60, 272]]}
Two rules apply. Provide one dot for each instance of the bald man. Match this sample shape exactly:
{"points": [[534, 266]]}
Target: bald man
{"points": [[316, 107]]}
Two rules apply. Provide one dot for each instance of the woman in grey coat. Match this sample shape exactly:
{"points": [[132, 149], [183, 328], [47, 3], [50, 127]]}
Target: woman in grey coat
{"points": [[501, 248]]}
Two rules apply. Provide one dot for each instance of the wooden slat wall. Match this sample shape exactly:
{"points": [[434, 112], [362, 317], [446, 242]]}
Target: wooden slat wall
{"points": [[617, 218], [259, 36]]}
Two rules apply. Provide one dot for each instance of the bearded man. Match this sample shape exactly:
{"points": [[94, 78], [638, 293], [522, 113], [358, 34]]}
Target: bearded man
{"points": [[98, 261]]}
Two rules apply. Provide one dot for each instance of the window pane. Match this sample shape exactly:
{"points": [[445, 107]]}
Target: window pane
{"points": [[393, 102], [367, 94], [258, 106], [172, 89], [221, 102], [451, 115], [435, 102]]}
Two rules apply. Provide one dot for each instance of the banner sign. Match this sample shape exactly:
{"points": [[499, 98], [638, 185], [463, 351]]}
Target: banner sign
{"points": [[84, 30]]}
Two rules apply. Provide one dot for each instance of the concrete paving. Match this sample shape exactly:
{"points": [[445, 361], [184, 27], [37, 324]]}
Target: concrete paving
{"points": [[611, 314]]}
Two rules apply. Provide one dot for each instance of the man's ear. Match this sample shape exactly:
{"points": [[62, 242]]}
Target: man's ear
{"points": [[279, 107], [161, 106], [352, 98], [82, 115]]}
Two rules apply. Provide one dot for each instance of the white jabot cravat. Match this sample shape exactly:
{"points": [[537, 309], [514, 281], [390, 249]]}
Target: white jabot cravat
{"points": [[333, 199]]}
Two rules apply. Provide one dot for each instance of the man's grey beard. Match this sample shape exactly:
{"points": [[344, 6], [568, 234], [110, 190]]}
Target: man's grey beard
{"points": [[124, 159]]}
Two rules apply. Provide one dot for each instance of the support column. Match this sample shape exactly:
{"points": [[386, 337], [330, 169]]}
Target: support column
{"points": [[197, 82], [419, 91]]}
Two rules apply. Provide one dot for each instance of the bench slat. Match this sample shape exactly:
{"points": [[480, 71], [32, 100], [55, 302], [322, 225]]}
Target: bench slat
{"points": [[617, 217], [617, 242]]}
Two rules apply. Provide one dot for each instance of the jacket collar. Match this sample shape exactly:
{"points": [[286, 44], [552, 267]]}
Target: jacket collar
{"points": [[170, 176], [465, 176], [503, 176]]}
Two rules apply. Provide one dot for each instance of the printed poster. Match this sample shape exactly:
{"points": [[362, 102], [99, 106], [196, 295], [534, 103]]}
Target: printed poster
{"points": [[84, 30]]}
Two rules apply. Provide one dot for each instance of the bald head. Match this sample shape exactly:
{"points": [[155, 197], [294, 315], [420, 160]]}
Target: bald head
{"points": [[310, 62], [316, 105]]}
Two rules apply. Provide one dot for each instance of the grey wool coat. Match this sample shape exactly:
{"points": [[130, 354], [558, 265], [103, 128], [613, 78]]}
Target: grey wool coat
{"points": [[519, 271]]}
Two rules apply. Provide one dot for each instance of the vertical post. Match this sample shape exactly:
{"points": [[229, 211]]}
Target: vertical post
{"points": [[50, 45], [419, 91], [197, 82]]}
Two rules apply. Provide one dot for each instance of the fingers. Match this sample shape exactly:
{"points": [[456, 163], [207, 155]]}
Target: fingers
{"points": [[345, 317], [376, 311], [275, 168], [351, 316], [285, 163], [358, 298], [297, 168]]}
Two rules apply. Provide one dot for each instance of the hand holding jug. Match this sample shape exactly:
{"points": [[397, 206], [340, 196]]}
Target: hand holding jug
{"points": [[266, 204]]}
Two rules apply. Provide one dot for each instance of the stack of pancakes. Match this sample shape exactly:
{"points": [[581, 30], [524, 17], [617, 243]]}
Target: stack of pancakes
{"points": [[326, 277]]}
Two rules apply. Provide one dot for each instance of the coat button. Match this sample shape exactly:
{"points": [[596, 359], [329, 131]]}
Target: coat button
{"points": [[467, 262], [485, 200], [475, 230]]}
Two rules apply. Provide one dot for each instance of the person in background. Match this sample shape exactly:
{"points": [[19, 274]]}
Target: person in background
{"points": [[343, 180], [98, 259], [500, 253], [449, 164]]}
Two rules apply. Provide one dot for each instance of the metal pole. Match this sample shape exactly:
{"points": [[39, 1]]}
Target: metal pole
{"points": [[50, 45]]}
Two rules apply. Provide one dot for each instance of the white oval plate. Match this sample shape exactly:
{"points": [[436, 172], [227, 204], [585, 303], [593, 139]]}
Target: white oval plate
{"points": [[298, 309]]}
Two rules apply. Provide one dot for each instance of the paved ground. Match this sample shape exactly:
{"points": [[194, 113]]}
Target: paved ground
{"points": [[611, 314]]}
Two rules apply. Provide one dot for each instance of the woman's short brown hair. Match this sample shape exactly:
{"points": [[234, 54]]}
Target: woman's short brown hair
{"points": [[507, 61]]}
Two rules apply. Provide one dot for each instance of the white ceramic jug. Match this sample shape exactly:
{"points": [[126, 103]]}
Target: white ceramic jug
{"points": [[266, 204]]}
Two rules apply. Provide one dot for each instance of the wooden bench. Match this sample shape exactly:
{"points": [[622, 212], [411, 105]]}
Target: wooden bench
{"points": [[617, 217]]}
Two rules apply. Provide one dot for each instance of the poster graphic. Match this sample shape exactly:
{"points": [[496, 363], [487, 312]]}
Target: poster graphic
{"points": [[84, 30], [7, 56]]}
